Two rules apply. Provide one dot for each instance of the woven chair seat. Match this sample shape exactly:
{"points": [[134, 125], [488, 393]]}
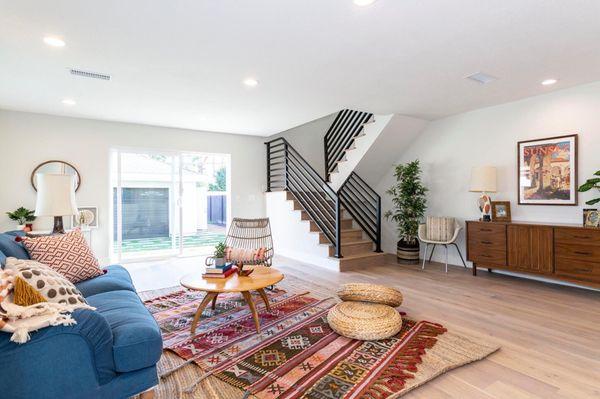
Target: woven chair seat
{"points": [[364, 321], [365, 292]]}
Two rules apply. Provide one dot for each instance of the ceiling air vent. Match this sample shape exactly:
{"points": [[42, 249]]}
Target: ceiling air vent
{"points": [[88, 74], [481, 78]]}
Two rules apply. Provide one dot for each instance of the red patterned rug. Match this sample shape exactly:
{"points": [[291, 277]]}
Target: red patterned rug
{"points": [[297, 355]]}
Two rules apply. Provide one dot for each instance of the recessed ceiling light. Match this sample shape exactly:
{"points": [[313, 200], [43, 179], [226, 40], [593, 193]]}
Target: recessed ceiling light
{"points": [[363, 3], [54, 41], [251, 82], [68, 101], [549, 82]]}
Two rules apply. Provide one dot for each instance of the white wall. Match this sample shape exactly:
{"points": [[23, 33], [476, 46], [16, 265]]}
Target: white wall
{"points": [[27, 139], [449, 147]]}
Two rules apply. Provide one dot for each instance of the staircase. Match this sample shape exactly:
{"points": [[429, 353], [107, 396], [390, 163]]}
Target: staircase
{"points": [[339, 228]]}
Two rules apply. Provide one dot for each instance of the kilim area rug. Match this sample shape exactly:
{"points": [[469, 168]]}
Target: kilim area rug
{"points": [[297, 355]]}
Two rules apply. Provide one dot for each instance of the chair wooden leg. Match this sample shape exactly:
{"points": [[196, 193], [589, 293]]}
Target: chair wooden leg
{"points": [[148, 394]]}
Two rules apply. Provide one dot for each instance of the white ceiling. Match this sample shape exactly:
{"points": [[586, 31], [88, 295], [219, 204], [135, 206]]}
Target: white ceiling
{"points": [[180, 63]]}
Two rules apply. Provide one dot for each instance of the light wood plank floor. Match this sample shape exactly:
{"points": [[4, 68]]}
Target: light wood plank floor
{"points": [[550, 334]]}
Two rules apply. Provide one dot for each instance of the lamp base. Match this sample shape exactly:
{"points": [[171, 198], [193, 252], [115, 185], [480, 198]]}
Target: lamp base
{"points": [[58, 226], [485, 207]]}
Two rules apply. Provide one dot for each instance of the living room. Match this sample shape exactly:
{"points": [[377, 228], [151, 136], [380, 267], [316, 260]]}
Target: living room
{"points": [[375, 199]]}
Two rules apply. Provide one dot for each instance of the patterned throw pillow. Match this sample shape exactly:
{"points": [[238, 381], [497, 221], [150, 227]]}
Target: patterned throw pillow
{"points": [[36, 283], [68, 254], [247, 256]]}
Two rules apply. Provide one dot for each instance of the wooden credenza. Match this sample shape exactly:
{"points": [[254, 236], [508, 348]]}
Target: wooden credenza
{"points": [[564, 252]]}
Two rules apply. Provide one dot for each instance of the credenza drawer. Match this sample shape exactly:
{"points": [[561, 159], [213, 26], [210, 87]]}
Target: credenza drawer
{"points": [[578, 269], [487, 229], [590, 253], [577, 236], [487, 256]]}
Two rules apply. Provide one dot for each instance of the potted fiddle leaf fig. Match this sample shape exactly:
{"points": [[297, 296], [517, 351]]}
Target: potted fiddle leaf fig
{"points": [[410, 203], [21, 216], [591, 183]]}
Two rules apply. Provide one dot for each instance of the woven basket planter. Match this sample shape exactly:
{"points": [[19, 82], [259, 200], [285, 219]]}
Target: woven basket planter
{"points": [[364, 321], [374, 293]]}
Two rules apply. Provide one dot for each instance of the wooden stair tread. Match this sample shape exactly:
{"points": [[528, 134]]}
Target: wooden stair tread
{"points": [[358, 242], [361, 256]]}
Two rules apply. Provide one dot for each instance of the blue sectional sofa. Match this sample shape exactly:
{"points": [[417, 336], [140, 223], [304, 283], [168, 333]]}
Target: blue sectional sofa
{"points": [[110, 353]]}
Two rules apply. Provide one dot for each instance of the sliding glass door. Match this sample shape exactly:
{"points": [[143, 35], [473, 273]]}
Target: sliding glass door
{"points": [[168, 203]]}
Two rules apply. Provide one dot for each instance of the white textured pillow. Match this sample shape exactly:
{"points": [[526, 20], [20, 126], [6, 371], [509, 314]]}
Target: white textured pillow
{"points": [[50, 284]]}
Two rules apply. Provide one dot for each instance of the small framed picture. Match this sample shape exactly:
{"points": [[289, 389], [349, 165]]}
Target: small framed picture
{"points": [[87, 216], [591, 218], [501, 211]]}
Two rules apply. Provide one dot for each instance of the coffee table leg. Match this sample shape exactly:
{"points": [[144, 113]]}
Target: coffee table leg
{"points": [[265, 299], [209, 297], [248, 299], [214, 301]]}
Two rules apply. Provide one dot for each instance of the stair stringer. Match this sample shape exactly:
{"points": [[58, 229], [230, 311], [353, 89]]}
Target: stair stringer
{"points": [[360, 147], [292, 237]]}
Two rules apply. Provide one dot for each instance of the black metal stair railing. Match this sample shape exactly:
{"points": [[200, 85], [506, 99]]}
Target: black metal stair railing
{"points": [[348, 125], [288, 170], [364, 205]]}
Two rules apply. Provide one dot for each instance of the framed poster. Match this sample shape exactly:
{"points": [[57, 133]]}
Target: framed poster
{"points": [[548, 171]]}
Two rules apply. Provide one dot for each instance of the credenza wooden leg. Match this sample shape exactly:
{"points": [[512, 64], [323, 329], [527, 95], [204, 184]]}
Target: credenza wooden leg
{"points": [[489, 270], [474, 269]]}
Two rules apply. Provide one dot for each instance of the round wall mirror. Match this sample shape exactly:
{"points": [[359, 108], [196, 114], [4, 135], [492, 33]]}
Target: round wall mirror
{"points": [[56, 167]]}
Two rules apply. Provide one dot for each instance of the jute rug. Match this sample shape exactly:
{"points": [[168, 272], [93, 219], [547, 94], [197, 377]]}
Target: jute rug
{"points": [[297, 355]]}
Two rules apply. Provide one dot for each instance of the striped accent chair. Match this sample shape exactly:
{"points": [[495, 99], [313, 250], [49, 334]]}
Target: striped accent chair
{"points": [[440, 231]]}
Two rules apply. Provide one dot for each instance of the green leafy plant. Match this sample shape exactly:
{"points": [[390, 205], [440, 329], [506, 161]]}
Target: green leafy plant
{"points": [[220, 250], [410, 202], [21, 215], [594, 182], [220, 183]]}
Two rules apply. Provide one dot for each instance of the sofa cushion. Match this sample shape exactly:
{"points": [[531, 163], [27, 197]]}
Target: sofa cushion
{"points": [[115, 278], [136, 337], [10, 247], [69, 254]]}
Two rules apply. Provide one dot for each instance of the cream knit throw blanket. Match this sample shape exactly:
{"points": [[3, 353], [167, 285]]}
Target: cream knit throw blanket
{"points": [[21, 320]]}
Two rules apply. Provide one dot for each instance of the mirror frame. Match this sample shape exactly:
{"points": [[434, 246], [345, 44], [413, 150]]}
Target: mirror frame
{"points": [[51, 161]]}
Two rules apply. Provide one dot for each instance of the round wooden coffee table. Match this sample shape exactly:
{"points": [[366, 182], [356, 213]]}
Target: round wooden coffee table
{"points": [[261, 278]]}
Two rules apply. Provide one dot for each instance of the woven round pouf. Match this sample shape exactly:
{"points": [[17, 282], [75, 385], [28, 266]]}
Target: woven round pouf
{"points": [[365, 321], [374, 293]]}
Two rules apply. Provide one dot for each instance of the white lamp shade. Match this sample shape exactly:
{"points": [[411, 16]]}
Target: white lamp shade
{"points": [[55, 195], [483, 179]]}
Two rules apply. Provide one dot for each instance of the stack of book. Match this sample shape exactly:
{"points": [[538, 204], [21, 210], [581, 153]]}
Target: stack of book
{"points": [[220, 271]]}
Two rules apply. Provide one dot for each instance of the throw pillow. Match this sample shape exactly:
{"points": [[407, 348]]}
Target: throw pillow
{"points": [[440, 229], [35, 283], [69, 254], [247, 256]]}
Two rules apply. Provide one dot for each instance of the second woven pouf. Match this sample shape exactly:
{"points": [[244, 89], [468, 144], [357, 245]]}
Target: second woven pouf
{"points": [[364, 321], [375, 293]]}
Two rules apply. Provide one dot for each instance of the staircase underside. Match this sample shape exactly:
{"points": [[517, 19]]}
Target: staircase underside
{"points": [[357, 251]]}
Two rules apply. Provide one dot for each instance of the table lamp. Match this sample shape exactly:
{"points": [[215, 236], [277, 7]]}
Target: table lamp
{"points": [[55, 197], [483, 180]]}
